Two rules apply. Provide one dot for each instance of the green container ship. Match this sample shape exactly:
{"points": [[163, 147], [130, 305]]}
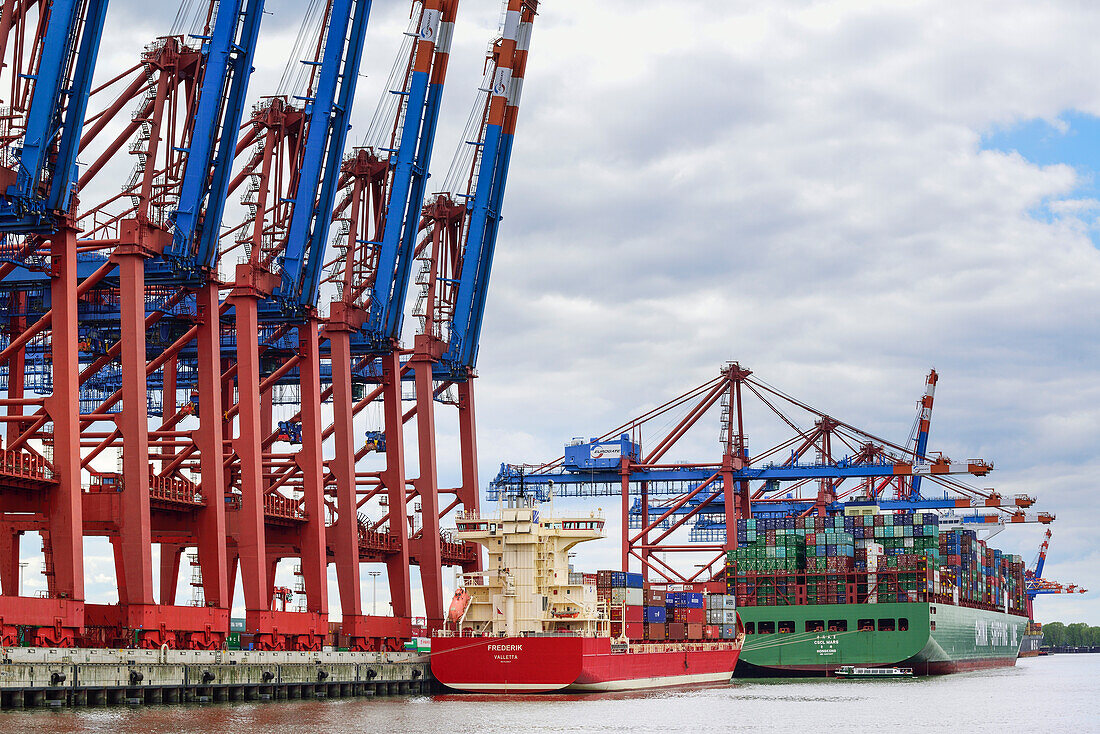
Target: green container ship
{"points": [[871, 589], [931, 638]]}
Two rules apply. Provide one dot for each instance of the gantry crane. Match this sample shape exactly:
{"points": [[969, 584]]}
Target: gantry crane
{"points": [[275, 292], [1037, 585], [457, 239], [49, 53], [132, 283], [383, 190], [845, 464], [119, 315]]}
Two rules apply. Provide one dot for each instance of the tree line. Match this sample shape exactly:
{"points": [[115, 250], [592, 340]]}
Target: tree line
{"points": [[1078, 634]]}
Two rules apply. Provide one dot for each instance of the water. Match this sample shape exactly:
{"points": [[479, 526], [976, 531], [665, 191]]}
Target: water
{"points": [[1058, 693]]}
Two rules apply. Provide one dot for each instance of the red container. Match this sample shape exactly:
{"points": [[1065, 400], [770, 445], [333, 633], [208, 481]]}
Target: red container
{"points": [[654, 598], [695, 631], [655, 632], [633, 613], [712, 631], [690, 616], [677, 631]]}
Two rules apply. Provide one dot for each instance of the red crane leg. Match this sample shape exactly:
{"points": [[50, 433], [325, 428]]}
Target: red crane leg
{"points": [[393, 479], [211, 530], [267, 410], [251, 542], [345, 533], [730, 501], [232, 562], [470, 492], [269, 575], [9, 561], [310, 463], [135, 556], [60, 618], [427, 487], [644, 554], [170, 556], [625, 518]]}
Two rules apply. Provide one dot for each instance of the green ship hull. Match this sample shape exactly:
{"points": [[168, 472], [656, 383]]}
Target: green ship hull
{"points": [[930, 638]]}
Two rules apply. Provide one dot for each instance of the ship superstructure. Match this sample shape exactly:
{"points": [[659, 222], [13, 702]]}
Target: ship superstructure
{"points": [[525, 588]]}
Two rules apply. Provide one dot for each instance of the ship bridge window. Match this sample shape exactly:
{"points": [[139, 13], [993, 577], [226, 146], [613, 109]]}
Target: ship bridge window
{"points": [[903, 625], [815, 625], [886, 625], [838, 625], [866, 625], [750, 628], [786, 628], [932, 625], [766, 628]]}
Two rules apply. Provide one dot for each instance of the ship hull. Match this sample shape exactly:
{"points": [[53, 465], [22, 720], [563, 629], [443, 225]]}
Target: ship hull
{"points": [[938, 639], [547, 664], [1030, 646]]}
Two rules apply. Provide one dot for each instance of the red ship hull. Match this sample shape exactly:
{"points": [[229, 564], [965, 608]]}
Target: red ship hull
{"points": [[544, 664]]}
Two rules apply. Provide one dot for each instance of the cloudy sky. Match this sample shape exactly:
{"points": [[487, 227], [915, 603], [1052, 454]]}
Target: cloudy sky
{"points": [[839, 195]]}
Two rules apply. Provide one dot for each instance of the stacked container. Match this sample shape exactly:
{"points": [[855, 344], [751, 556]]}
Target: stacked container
{"points": [[869, 558], [623, 594]]}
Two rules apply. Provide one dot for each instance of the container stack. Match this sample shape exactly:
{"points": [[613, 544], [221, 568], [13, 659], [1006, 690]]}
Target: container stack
{"points": [[656, 615], [686, 613], [622, 592], [975, 574], [870, 558], [721, 616]]}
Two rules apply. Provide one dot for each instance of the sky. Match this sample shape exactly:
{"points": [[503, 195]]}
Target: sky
{"points": [[839, 195]]}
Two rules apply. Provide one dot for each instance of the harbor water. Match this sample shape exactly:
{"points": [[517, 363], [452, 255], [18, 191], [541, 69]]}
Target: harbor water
{"points": [[1056, 693]]}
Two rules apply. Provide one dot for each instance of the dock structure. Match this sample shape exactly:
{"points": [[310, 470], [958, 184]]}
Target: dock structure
{"points": [[65, 677]]}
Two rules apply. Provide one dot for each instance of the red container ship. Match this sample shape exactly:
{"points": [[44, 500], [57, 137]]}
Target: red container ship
{"points": [[526, 625]]}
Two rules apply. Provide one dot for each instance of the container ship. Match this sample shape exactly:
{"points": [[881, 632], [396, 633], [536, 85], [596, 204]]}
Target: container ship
{"points": [[869, 588], [529, 624]]}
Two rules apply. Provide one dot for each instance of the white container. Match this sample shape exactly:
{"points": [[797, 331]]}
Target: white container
{"points": [[630, 597]]}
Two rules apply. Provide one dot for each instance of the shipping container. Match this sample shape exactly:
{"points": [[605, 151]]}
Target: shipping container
{"points": [[630, 596]]}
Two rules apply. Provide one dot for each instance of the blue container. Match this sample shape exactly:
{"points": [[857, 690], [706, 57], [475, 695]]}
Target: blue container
{"points": [[597, 454], [656, 615], [634, 580], [692, 600]]}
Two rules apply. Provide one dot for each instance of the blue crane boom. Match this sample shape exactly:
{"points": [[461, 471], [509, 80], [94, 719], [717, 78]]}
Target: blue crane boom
{"points": [[924, 420], [227, 67], [55, 118], [410, 165], [492, 174], [327, 113]]}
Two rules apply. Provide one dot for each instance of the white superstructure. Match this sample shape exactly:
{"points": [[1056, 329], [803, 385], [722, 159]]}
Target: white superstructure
{"points": [[525, 587]]}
